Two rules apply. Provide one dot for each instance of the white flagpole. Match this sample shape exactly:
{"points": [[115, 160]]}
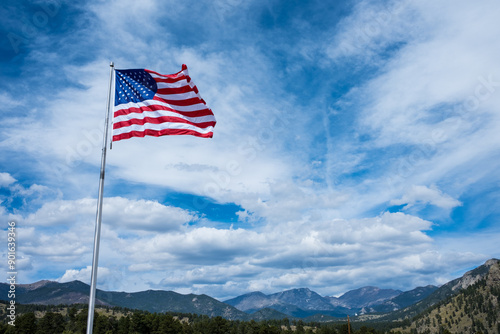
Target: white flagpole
{"points": [[97, 234]]}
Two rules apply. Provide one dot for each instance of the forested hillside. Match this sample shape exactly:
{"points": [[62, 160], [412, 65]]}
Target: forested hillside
{"points": [[475, 309], [37, 319]]}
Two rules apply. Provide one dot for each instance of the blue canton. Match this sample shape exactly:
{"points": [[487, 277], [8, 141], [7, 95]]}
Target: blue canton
{"points": [[134, 86]]}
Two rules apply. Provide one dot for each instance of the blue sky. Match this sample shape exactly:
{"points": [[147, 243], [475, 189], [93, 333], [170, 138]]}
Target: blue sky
{"points": [[357, 143]]}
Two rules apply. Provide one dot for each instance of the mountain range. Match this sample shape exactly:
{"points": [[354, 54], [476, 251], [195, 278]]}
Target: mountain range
{"points": [[76, 292], [295, 303], [304, 302]]}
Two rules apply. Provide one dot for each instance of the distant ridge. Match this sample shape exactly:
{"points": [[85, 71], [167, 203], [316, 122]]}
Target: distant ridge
{"points": [[305, 303], [403, 300], [302, 303], [76, 292], [364, 297], [295, 302]]}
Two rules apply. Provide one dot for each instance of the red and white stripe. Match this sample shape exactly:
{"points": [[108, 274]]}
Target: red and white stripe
{"points": [[176, 109]]}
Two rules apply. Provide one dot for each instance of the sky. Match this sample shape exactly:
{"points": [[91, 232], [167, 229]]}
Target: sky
{"points": [[357, 144]]}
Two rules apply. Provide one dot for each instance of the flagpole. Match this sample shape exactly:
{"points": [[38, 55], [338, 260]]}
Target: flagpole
{"points": [[97, 234]]}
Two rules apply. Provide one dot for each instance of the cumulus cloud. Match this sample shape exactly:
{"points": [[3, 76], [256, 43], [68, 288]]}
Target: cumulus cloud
{"points": [[6, 179], [58, 246], [314, 251], [425, 195], [294, 253], [106, 276], [119, 212], [291, 253], [290, 201]]}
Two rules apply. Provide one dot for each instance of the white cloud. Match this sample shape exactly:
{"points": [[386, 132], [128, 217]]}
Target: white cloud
{"points": [[57, 246], [183, 256], [106, 277], [290, 201], [428, 111], [425, 195], [318, 252], [6, 179], [118, 212], [8, 102], [78, 274], [244, 258], [431, 75], [370, 29]]}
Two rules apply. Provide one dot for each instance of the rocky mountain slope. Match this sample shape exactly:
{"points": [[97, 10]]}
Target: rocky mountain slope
{"points": [[444, 292], [295, 302], [473, 307], [364, 297], [402, 300], [304, 302]]}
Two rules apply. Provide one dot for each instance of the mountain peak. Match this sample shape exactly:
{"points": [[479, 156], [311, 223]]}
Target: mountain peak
{"points": [[365, 296], [300, 293], [472, 276], [250, 301], [36, 285], [491, 262], [298, 290], [255, 293]]}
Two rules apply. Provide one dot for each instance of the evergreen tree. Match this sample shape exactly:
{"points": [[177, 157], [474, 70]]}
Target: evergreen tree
{"points": [[26, 323], [169, 325], [219, 325], [123, 325], [138, 323], [51, 323]]}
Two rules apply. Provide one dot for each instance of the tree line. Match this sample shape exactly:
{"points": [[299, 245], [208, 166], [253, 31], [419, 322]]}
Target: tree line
{"points": [[73, 320]]}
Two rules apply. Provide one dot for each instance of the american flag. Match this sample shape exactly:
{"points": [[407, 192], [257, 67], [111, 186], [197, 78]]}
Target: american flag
{"points": [[152, 104]]}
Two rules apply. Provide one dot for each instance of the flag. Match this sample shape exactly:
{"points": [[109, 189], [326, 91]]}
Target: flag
{"points": [[152, 104]]}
